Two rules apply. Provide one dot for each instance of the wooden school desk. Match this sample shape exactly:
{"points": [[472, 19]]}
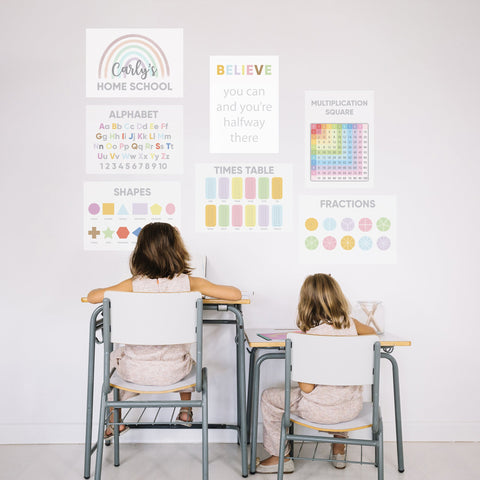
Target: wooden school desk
{"points": [[277, 351], [235, 306]]}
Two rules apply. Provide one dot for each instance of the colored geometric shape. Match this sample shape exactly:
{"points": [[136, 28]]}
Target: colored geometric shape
{"points": [[237, 215], [365, 243], [384, 243], [263, 188], [170, 208], [348, 224], [250, 216], [210, 215], [263, 216], [329, 243], [94, 208], [365, 224], [311, 224], [122, 210], [277, 188], [329, 224], [108, 209], [311, 243], [94, 232], [210, 188], [250, 188], [237, 188], [108, 233], [277, 215], [156, 209], [137, 231], [123, 232], [223, 188], [223, 215], [383, 224], [139, 208], [347, 242]]}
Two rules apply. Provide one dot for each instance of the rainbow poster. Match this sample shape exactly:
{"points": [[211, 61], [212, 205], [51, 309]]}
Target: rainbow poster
{"points": [[339, 138], [347, 229], [134, 62], [134, 139], [244, 197], [115, 212]]}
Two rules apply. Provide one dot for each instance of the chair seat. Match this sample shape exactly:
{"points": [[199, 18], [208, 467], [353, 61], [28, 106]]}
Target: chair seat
{"points": [[118, 382], [363, 420]]}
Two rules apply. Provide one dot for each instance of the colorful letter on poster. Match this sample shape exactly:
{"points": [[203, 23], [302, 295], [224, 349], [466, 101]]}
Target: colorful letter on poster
{"points": [[339, 138], [347, 229], [134, 62], [244, 104], [115, 212], [244, 197], [134, 139]]}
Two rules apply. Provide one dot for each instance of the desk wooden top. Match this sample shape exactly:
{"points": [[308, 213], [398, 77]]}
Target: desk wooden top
{"points": [[218, 301], [386, 339]]}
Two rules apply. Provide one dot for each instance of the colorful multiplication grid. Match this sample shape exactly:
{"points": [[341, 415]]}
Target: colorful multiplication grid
{"points": [[115, 212], [347, 229], [243, 197], [338, 152], [339, 138]]}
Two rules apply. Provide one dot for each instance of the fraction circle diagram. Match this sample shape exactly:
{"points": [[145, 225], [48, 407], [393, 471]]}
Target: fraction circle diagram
{"points": [[329, 243], [383, 224], [365, 224], [329, 224], [170, 209], [365, 243], [347, 242], [348, 224], [311, 224], [383, 243], [311, 243], [94, 208]]}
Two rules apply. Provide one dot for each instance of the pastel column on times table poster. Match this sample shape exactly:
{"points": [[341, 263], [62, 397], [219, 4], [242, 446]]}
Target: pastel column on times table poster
{"points": [[347, 229], [244, 197]]}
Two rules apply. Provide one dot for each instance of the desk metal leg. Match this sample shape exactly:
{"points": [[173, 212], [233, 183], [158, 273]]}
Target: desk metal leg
{"points": [[254, 407], [398, 413], [251, 366]]}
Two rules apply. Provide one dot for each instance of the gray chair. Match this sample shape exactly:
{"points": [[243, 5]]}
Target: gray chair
{"points": [[151, 319], [333, 360]]}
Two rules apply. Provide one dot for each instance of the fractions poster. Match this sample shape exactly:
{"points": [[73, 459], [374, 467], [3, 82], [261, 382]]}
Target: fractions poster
{"points": [[339, 138], [244, 104], [134, 139], [244, 197], [115, 212], [347, 229], [134, 62]]}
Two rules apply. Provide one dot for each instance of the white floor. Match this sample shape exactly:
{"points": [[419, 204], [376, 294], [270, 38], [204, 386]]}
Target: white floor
{"points": [[436, 461]]}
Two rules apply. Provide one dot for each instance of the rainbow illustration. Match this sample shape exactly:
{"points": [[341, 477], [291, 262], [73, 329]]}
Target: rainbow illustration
{"points": [[130, 53]]}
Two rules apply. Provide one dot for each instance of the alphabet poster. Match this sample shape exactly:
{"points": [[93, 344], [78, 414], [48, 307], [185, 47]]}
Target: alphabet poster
{"points": [[244, 104], [339, 138], [144, 62], [115, 212], [134, 139], [244, 197], [347, 229]]}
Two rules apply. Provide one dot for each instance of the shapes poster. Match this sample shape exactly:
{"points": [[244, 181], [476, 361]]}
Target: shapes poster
{"points": [[134, 139], [115, 212], [134, 62], [347, 229], [339, 138], [244, 104], [244, 197]]}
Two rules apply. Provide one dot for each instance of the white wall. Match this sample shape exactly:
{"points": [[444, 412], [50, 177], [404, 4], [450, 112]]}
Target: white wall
{"points": [[420, 58]]}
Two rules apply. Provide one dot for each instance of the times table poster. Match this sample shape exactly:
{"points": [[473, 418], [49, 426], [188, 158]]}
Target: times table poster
{"points": [[339, 133], [134, 139]]}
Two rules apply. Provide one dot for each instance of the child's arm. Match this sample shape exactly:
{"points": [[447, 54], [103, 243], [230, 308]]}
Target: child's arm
{"points": [[96, 296], [306, 387], [363, 329], [225, 292]]}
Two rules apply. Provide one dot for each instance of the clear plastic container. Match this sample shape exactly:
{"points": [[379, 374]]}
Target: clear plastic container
{"points": [[371, 313]]}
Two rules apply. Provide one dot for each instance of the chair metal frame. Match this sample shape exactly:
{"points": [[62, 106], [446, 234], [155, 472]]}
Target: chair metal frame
{"points": [[287, 429], [200, 386]]}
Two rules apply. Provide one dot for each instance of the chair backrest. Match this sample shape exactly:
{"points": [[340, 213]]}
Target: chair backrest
{"points": [[332, 360], [199, 265], [153, 318]]}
